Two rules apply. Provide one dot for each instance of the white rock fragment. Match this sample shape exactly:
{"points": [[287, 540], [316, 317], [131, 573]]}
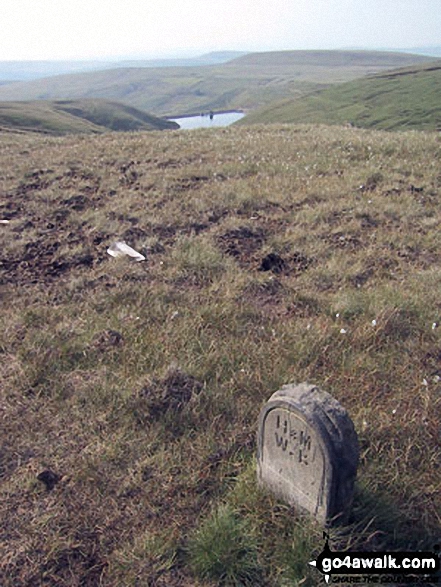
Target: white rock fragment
{"points": [[4, 221], [121, 249], [343, 331]]}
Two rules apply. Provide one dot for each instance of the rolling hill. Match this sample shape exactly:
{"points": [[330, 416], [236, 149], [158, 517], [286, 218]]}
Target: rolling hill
{"points": [[403, 99], [77, 116], [13, 71], [245, 83]]}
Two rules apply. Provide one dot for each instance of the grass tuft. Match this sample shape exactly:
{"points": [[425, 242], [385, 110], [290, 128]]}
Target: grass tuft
{"points": [[224, 549]]}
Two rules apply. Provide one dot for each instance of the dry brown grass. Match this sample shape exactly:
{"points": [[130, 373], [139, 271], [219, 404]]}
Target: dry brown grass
{"points": [[108, 469]]}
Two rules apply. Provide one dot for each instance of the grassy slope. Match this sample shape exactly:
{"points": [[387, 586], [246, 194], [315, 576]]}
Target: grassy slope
{"points": [[244, 83], [76, 116], [153, 467], [400, 100]]}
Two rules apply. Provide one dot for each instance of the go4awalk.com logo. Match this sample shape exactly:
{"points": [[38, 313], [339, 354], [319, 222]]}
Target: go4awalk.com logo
{"points": [[414, 568]]}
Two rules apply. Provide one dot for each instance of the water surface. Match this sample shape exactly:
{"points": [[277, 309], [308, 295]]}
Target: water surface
{"points": [[224, 119]]}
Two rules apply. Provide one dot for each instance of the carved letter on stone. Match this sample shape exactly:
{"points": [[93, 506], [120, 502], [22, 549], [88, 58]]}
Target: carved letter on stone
{"points": [[307, 451]]}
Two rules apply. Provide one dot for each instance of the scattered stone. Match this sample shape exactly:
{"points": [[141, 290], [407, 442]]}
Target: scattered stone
{"points": [[307, 452]]}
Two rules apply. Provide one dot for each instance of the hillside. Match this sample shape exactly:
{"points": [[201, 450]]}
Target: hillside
{"points": [[11, 71], [333, 59], [402, 99], [244, 83], [130, 391], [76, 116]]}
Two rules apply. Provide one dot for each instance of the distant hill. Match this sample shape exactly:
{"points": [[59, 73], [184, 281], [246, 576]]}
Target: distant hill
{"points": [[408, 98], [245, 83], [76, 116], [432, 51], [214, 58], [14, 71], [339, 59]]}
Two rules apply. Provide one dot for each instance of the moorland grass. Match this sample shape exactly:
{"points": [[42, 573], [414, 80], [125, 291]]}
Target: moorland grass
{"points": [[398, 100], [137, 386]]}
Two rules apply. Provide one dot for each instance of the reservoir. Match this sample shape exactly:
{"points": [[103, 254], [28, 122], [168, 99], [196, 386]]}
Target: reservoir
{"points": [[205, 121]]}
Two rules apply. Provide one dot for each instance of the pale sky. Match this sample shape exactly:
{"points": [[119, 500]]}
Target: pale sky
{"points": [[83, 29]]}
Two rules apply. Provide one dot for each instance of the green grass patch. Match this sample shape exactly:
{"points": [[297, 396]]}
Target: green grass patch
{"points": [[223, 549], [401, 100]]}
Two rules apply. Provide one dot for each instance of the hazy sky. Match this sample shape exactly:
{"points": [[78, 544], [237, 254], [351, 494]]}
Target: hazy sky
{"points": [[76, 29]]}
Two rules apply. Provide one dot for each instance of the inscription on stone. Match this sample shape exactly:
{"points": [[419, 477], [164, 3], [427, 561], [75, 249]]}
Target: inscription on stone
{"points": [[308, 451]]}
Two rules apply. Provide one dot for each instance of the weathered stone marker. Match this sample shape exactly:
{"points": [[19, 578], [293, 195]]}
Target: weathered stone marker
{"points": [[307, 451]]}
